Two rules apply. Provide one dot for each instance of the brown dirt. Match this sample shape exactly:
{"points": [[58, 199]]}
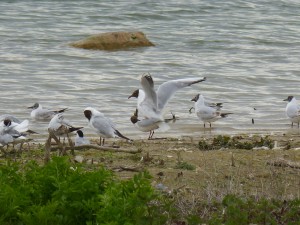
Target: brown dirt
{"points": [[179, 165]]}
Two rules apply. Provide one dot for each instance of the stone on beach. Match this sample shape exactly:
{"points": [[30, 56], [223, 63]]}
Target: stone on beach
{"points": [[79, 159], [113, 41]]}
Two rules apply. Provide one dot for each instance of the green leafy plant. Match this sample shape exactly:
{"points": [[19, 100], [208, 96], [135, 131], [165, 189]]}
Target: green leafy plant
{"points": [[60, 193], [185, 166], [63, 193], [235, 210]]}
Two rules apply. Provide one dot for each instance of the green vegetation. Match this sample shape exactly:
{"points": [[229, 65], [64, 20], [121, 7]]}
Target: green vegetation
{"points": [[64, 193], [185, 166], [235, 142], [60, 193], [236, 211]]}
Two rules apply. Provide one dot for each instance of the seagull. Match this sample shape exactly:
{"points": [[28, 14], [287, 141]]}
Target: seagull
{"points": [[10, 117], [16, 122], [151, 103], [9, 126], [11, 132], [61, 127], [148, 124], [217, 105], [103, 125], [292, 110], [80, 139], [207, 113], [40, 113]]}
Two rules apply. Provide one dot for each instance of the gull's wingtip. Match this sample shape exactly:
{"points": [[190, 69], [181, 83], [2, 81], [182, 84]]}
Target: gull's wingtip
{"points": [[195, 81]]}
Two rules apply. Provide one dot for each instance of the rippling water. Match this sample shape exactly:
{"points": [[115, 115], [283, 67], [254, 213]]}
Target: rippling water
{"points": [[249, 52]]}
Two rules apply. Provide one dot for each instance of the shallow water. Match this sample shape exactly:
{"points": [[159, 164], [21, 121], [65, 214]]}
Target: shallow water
{"points": [[249, 52]]}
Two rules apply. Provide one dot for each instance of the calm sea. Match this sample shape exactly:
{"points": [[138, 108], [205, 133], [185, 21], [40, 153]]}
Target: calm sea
{"points": [[248, 50]]}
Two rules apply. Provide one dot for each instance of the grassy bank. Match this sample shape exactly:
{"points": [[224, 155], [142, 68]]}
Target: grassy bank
{"points": [[218, 180]]}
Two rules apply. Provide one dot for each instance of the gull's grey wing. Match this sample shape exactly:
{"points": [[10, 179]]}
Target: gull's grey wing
{"points": [[166, 90], [217, 106], [148, 107], [103, 126], [44, 114], [66, 123], [6, 139]]}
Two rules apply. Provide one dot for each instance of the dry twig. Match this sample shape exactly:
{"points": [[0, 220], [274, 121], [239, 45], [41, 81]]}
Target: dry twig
{"points": [[126, 168], [103, 148]]}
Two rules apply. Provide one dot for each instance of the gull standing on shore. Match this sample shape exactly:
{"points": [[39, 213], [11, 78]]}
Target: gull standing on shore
{"points": [[11, 132], [205, 113], [102, 125], [292, 110], [148, 124], [61, 127], [40, 113]]}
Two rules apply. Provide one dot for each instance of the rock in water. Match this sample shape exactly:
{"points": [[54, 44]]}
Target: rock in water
{"points": [[113, 41]]}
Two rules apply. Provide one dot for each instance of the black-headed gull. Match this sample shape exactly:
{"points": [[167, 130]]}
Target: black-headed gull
{"points": [[102, 125], [80, 139], [148, 124], [292, 110], [61, 127], [205, 113], [11, 132], [15, 122], [151, 103], [7, 125], [10, 117], [40, 113]]}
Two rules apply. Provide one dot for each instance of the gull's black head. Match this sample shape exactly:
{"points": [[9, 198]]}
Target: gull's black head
{"points": [[134, 119], [80, 133], [35, 106], [88, 114], [7, 122], [289, 98], [134, 94], [195, 99]]}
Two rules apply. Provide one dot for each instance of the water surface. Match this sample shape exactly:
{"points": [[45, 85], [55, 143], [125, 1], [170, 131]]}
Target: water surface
{"points": [[249, 52]]}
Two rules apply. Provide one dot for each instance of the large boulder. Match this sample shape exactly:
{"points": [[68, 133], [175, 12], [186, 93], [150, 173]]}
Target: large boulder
{"points": [[113, 41]]}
